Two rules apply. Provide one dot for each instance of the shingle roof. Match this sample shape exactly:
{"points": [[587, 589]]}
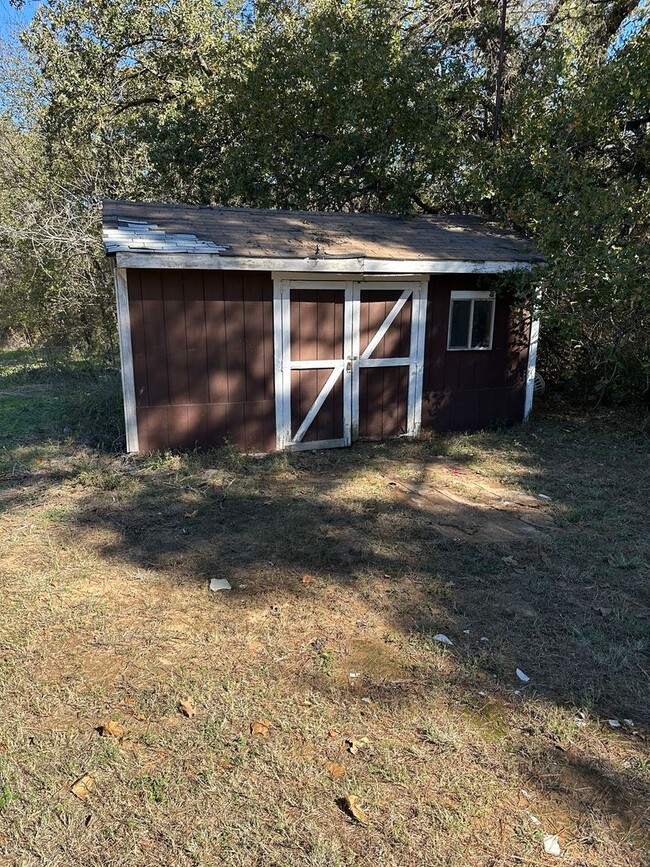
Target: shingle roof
{"points": [[131, 227]]}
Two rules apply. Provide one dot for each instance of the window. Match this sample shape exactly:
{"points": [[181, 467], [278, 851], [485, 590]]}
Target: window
{"points": [[471, 320]]}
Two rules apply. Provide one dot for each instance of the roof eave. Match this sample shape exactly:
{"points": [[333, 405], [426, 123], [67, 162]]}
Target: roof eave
{"points": [[359, 265]]}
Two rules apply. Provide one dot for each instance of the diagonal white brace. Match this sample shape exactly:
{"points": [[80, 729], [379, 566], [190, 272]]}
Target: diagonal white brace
{"points": [[318, 403], [386, 324]]}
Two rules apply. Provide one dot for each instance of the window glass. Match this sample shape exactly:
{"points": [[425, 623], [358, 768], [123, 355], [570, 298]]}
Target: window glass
{"points": [[482, 324], [459, 330]]}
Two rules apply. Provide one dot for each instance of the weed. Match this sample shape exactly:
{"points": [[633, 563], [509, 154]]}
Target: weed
{"points": [[7, 797]]}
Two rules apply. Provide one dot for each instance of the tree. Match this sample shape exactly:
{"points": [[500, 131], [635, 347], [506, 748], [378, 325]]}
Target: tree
{"points": [[538, 117]]}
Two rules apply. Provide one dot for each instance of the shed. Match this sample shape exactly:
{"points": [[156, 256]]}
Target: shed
{"points": [[276, 329]]}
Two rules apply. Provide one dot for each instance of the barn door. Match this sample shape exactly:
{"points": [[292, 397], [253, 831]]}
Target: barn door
{"points": [[348, 361], [313, 340], [387, 381]]}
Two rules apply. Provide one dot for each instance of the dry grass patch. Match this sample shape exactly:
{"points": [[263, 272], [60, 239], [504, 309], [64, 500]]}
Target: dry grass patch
{"points": [[107, 616]]}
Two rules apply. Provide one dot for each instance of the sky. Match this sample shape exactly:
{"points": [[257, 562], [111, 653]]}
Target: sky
{"points": [[12, 19]]}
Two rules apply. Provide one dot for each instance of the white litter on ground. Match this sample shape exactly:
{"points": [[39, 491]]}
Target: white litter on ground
{"points": [[552, 844], [443, 639], [220, 584], [522, 677], [628, 722], [614, 723]]}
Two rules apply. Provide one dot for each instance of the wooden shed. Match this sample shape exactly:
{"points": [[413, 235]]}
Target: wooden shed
{"points": [[276, 329]]}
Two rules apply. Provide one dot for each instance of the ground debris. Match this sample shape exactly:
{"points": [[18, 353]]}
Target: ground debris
{"points": [[352, 804], [220, 584], [261, 728], [335, 769], [522, 677], [82, 787], [355, 745], [186, 707], [111, 729], [552, 844], [442, 639]]}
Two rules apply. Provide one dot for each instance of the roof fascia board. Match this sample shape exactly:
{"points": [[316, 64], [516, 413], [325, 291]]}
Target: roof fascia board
{"points": [[208, 262]]}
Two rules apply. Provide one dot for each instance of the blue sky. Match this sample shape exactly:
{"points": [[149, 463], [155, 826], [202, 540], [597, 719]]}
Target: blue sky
{"points": [[11, 19]]}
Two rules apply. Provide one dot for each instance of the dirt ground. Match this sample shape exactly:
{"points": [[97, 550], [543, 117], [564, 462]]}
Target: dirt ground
{"points": [[321, 675]]}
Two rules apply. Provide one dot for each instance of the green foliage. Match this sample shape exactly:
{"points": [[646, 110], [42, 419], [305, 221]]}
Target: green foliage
{"points": [[386, 105]]}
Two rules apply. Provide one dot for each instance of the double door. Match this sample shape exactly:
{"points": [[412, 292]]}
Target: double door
{"points": [[348, 360]]}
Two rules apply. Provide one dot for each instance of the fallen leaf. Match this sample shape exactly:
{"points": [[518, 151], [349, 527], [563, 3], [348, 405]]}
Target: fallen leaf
{"points": [[552, 844], [352, 805], [111, 729], [522, 677], [261, 727], [186, 707], [335, 769], [332, 733], [307, 579], [83, 786], [354, 746], [255, 646]]}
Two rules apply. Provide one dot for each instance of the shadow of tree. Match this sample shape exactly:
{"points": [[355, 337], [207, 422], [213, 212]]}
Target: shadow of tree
{"points": [[263, 524]]}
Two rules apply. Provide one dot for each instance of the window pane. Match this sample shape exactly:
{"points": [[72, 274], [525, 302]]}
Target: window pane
{"points": [[460, 311], [482, 324]]}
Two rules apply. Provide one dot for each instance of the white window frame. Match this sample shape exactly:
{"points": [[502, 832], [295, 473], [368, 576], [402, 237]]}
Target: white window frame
{"points": [[470, 295]]}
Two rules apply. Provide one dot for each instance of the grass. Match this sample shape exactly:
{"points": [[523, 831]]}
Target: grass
{"points": [[105, 564]]}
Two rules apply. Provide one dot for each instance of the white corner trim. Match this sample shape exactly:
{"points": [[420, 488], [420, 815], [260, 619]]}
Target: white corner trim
{"points": [[532, 362], [126, 359], [213, 261]]}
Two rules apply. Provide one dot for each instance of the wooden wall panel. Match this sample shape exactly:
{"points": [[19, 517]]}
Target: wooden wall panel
{"points": [[197, 340], [138, 345], [153, 321], [468, 390], [383, 406], [375, 306], [203, 359]]}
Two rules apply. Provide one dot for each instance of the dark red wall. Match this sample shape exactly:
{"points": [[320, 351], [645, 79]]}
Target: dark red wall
{"points": [[204, 374], [469, 390], [203, 358]]}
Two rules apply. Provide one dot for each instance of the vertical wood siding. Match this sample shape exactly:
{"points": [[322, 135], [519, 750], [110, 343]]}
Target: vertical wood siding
{"points": [[203, 358], [203, 361], [469, 390]]}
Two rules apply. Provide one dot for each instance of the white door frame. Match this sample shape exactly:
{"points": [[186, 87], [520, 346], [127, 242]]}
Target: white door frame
{"points": [[349, 366]]}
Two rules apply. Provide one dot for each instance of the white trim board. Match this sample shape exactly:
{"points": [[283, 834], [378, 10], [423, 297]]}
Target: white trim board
{"points": [[532, 364], [126, 359], [213, 261]]}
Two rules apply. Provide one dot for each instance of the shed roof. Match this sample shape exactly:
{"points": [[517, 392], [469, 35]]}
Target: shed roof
{"points": [[225, 233]]}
